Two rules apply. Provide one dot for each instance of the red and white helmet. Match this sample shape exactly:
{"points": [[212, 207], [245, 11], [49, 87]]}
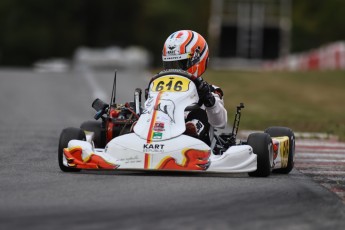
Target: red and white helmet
{"points": [[186, 50]]}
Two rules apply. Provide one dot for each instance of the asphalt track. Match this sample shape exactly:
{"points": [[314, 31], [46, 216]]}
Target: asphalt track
{"points": [[35, 194]]}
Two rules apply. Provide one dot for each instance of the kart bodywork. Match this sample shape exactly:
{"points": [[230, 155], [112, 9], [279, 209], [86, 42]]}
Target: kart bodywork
{"points": [[156, 139]]}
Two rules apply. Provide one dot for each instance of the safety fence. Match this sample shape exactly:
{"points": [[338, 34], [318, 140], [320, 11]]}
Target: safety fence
{"points": [[327, 57]]}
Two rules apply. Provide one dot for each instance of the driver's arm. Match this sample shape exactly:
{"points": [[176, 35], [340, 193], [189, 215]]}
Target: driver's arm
{"points": [[217, 114], [212, 98]]}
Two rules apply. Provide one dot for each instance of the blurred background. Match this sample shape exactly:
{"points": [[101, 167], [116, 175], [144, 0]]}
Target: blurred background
{"points": [[242, 29], [284, 59], [265, 53]]}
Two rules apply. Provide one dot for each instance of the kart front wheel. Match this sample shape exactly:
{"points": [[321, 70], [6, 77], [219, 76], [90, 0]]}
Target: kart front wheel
{"points": [[277, 131], [262, 147], [65, 136]]}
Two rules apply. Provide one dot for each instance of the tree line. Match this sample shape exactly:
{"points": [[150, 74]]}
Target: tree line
{"points": [[39, 29]]}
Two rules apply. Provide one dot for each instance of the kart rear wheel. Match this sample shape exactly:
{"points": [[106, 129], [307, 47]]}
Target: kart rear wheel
{"points": [[277, 131], [96, 128], [262, 147], [65, 136]]}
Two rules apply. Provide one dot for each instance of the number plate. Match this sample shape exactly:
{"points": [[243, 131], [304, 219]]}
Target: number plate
{"points": [[170, 84]]}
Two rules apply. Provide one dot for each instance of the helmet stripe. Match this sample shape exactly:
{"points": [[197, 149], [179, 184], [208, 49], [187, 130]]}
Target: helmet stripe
{"points": [[191, 45], [183, 45], [190, 40], [179, 35], [172, 35], [164, 50], [202, 52]]}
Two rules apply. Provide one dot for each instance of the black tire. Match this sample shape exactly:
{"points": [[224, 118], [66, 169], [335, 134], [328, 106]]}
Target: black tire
{"points": [[65, 136], [96, 128], [277, 131], [262, 147]]}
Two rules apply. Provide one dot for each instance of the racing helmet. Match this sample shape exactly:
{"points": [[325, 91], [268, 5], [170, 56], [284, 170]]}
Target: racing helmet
{"points": [[186, 50]]}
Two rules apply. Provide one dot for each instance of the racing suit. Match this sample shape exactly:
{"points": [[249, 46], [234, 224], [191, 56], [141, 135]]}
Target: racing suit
{"points": [[211, 111]]}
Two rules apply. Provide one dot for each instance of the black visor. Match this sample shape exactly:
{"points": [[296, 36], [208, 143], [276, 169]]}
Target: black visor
{"points": [[180, 64]]}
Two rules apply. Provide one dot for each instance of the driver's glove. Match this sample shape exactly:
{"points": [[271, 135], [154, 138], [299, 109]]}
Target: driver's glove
{"points": [[205, 95]]}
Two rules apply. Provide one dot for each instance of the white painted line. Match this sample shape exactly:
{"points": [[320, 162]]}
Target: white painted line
{"points": [[323, 144], [328, 149], [321, 160], [318, 155], [323, 172], [336, 178], [319, 151], [97, 91]]}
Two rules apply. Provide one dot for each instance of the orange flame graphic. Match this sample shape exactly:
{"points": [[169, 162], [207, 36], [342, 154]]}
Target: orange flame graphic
{"points": [[195, 159], [74, 159]]}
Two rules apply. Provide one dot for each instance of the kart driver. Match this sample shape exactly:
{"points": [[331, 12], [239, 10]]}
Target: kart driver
{"points": [[187, 50]]}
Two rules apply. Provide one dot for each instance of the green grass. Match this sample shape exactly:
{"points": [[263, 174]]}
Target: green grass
{"points": [[303, 101]]}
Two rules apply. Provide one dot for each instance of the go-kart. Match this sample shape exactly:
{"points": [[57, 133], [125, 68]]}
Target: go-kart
{"points": [[132, 137]]}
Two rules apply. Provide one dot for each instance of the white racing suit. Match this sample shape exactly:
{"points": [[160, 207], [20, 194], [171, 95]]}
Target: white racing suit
{"points": [[217, 114], [198, 121]]}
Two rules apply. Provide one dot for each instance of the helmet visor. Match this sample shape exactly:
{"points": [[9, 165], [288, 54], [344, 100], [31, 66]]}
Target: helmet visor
{"points": [[180, 64]]}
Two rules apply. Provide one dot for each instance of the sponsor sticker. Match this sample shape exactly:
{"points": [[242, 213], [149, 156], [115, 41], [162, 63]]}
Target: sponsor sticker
{"points": [[157, 136], [159, 126], [157, 148]]}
